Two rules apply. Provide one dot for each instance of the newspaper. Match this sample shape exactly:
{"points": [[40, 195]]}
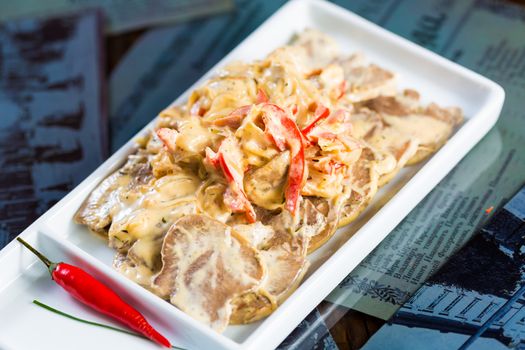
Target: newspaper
{"points": [[456, 308], [120, 15], [488, 37], [311, 333]]}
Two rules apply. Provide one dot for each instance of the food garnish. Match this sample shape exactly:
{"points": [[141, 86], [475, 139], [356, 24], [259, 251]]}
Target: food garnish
{"points": [[97, 324], [93, 293]]}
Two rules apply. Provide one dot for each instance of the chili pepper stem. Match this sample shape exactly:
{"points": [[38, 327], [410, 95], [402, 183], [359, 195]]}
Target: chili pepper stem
{"points": [[50, 265]]}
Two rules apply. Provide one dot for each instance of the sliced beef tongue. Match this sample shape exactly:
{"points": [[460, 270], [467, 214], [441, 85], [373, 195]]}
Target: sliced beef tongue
{"points": [[99, 208], [154, 209], [366, 81], [321, 218], [206, 264], [142, 260], [320, 49], [265, 185], [283, 242], [363, 184], [283, 253], [409, 131]]}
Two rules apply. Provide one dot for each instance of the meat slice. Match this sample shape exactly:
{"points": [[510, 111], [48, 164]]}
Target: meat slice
{"points": [[428, 128], [321, 215], [396, 143], [162, 203], [408, 126], [96, 211], [106, 199], [284, 257], [137, 230], [283, 242], [139, 258], [320, 48], [366, 81], [141, 261], [210, 200], [402, 104], [205, 264], [392, 149], [252, 306], [265, 185], [364, 185]]}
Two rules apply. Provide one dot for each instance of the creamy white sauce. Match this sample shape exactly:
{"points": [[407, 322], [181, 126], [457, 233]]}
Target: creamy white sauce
{"points": [[213, 265], [425, 129]]}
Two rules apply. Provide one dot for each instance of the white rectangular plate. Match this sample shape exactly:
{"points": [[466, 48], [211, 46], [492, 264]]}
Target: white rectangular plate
{"points": [[22, 278]]}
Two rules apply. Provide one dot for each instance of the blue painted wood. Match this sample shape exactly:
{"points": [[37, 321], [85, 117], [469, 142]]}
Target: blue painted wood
{"points": [[52, 114]]}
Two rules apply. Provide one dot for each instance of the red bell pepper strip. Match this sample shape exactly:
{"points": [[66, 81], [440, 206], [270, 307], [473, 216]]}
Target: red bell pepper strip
{"points": [[197, 109], [312, 133], [235, 118], [228, 158], [317, 134], [294, 109], [295, 181], [274, 128], [284, 132], [342, 89], [321, 112], [338, 117], [93, 293], [212, 158], [334, 166], [261, 96], [168, 137]]}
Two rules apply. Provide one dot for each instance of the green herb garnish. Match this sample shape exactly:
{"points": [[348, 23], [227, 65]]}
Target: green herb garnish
{"points": [[74, 318]]}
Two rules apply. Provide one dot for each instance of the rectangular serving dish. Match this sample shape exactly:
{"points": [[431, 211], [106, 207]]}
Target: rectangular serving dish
{"points": [[23, 279]]}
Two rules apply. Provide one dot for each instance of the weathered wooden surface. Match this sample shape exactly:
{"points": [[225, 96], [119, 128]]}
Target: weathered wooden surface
{"points": [[52, 123]]}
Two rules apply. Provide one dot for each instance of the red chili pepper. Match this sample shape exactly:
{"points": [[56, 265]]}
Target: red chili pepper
{"points": [[98, 296], [283, 131], [321, 112]]}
